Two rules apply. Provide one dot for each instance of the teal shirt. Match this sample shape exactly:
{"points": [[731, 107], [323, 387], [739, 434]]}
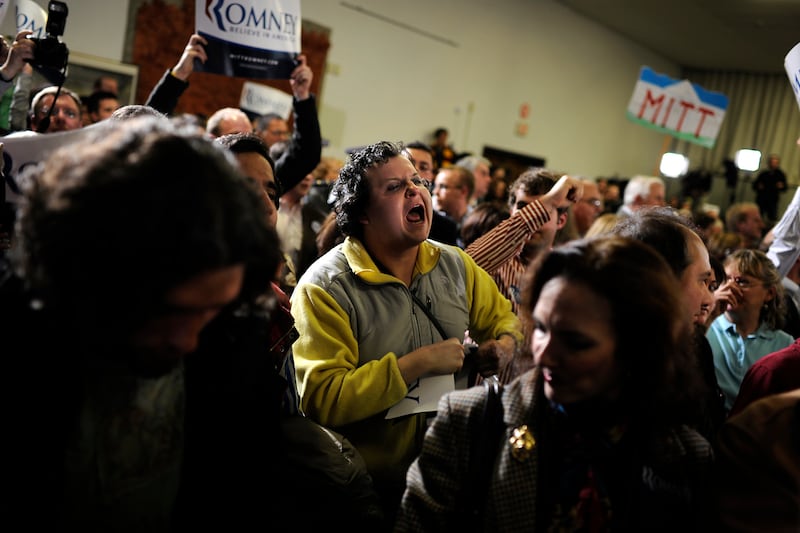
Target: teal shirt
{"points": [[733, 355]]}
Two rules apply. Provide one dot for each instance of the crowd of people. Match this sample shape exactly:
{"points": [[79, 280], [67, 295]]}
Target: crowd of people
{"points": [[212, 325]]}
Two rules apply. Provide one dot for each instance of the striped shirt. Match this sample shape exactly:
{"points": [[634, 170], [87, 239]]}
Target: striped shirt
{"points": [[498, 253]]}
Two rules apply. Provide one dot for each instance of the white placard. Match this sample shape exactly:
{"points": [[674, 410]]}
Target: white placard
{"points": [[30, 16], [423, 396], [263, 99], [249, 38], [3, 9], [677, 107], [792, 65], [23, 149]]}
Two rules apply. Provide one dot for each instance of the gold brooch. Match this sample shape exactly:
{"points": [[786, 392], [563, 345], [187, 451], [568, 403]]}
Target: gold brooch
{"points": [[522, 443]]}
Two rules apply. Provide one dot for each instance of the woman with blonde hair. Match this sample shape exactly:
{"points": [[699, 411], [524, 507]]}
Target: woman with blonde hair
{"points": [[602, 224], [750, 326]]}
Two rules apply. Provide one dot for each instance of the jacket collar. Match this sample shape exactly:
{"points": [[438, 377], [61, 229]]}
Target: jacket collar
{"points": [[362, 264]]}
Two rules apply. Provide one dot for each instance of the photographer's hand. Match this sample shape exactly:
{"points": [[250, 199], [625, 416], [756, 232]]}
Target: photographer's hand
{"points": [[16, 55], [194, 50]]}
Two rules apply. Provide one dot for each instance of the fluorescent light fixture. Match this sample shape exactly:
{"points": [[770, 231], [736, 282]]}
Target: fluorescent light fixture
{"points": [[749, 160], [674, 165]]}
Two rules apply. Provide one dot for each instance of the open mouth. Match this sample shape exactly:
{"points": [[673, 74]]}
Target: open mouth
{"points": [[416, 214]]}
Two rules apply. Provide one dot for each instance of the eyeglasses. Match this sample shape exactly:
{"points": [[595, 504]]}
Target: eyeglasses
{"points": [[69, 113], [745, 283], [594, 202]]}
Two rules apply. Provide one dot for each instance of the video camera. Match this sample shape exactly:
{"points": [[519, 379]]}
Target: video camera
{"points": [[50, 52]]}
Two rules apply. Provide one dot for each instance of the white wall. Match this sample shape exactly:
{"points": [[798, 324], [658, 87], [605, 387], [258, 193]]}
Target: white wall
{"points": [[385, 81], [95, 27], [390, 83]]}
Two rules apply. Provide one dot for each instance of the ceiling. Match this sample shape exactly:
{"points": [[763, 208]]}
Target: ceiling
{"points": [[729, 35]]}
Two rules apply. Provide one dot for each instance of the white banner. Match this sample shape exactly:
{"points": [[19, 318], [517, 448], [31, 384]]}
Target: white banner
{"points": [[249, 38], [29, 16], [3, 9], [263, 99], [30, 148]]}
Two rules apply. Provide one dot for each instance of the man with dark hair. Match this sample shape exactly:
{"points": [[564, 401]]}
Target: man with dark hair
{"points": [[272, 128], [538, 205], [424, 164], [443, 228], [452, 189], [255, 163], [100, 105], [538, 236], [675, 238]]}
